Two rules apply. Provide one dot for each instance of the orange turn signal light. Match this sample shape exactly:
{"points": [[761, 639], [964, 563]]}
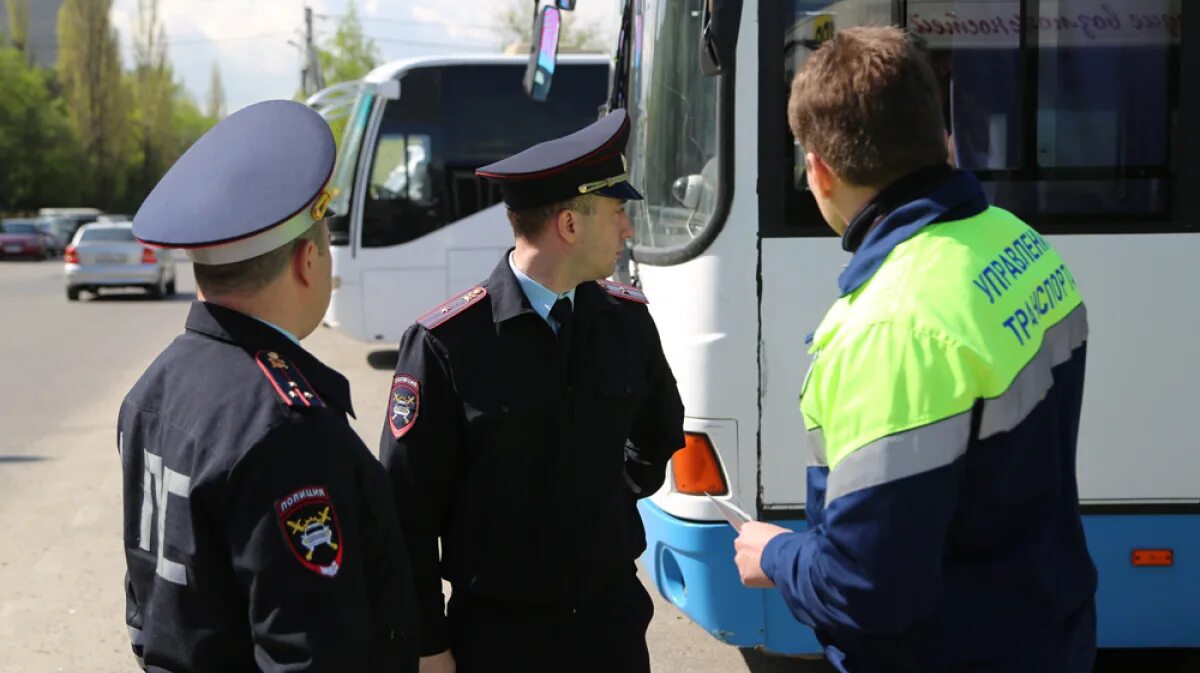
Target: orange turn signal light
{"points": [[1153, 557], [696, 468]]}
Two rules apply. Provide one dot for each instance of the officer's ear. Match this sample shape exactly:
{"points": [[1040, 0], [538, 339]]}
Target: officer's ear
{"points": [[304, 261], [567, 223]]}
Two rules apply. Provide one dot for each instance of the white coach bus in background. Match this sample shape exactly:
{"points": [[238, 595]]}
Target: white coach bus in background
{"points": [[413, 224]]}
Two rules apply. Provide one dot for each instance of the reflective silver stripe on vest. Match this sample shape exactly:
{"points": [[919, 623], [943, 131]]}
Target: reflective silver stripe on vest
{"points": [[1003, 413], [815, 441], [901, 455]]}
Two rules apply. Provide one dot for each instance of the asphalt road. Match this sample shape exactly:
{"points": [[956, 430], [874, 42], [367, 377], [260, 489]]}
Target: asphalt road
{"points": [[64, 367]]}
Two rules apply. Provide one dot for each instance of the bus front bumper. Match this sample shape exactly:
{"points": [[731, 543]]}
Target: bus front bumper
{"points": [[691, 563]]}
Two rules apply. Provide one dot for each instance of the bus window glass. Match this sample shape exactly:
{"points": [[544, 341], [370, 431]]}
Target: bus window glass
{"points": [[1066, 110], [401, 169], [448, 122], [806, 25], [673, 141], [1062, 108]]}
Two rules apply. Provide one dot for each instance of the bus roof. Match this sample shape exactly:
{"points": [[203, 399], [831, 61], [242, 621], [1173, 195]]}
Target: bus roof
{"points": [[69, 211], [395, 69]]}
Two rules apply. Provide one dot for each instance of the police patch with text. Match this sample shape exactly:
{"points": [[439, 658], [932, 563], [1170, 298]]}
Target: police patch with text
{"points": [[404, 404], [310, 526]]}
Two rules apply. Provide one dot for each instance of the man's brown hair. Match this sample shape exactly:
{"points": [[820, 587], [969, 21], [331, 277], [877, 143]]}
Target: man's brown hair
{"points": [[868, 104], [251, 275], [528, 223]]}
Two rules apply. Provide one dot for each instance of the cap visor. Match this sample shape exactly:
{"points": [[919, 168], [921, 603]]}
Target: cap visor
{"points": [[621, 190]]}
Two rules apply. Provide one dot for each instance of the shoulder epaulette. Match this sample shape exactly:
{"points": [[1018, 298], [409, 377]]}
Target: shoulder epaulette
{"points": [[627, 292], [452, 307], [288, 381]]}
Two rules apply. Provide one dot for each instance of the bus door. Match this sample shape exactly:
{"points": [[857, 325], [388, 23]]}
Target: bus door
{"points": [[801, 257]]}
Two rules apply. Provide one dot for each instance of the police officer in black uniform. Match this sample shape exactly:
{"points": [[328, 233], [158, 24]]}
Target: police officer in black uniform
{"points": [[526, 417], [259, 530]]}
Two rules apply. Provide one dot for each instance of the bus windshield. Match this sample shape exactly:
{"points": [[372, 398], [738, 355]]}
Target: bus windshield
{"points": [[450, 120], [347, 160], [674, 138]]}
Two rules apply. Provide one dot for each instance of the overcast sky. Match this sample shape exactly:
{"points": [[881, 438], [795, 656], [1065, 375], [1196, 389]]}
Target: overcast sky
{"points": [[248, 39]]}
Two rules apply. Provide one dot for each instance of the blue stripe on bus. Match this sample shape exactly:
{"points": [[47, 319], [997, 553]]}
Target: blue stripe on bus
{"points": [[1146, 607], [692, 565]]}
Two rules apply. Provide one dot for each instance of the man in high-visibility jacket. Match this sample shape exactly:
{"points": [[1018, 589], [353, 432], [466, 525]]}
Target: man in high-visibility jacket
{"points": [[942, 407]]}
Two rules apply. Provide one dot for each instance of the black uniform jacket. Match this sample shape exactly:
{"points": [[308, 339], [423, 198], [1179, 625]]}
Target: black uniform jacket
{"points": [[259, 530], [525, 460]]}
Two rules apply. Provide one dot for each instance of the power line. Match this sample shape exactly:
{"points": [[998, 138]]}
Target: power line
{"points": [[201, 40], [409, 22], [422, 43], [194, 41]]}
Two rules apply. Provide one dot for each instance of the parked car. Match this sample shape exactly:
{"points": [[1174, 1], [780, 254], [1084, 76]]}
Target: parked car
{"points": [[58, 229], [75, 217], [22, 238], [106, 255]]}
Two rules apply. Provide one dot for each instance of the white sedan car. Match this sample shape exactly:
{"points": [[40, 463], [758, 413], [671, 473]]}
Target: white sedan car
{"points": [[106, 255]]}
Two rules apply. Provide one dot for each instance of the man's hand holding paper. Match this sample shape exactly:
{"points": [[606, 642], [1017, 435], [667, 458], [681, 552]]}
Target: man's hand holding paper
{"points": [[751, 540]]}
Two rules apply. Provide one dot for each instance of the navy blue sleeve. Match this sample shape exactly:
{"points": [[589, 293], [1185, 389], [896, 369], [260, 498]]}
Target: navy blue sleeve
{"points": [[296, 545], [421, 447], [873, 563], [657, 431]]}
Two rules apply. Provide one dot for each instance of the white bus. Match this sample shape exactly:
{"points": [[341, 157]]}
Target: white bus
{"points": [[1073, 114], [414, 224]]}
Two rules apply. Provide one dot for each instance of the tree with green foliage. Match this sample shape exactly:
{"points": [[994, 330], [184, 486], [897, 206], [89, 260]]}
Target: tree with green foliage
{"points": [[89, 133], [189, 121], [151, 115], [42, 164], [89, 67], [18, 27], [349, 54]]}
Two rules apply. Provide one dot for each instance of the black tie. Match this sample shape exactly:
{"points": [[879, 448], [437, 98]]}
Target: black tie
{"points": [[561, 312]]}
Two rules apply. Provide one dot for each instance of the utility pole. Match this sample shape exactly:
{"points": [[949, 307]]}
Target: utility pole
{"points": [[311, 79], [306, 81]]}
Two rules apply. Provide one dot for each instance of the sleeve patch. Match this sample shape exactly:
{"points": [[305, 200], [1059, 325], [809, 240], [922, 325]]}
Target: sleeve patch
{"points": [[452, 307], [404, 404], [626, 292], [311, 529], [288, 381]]}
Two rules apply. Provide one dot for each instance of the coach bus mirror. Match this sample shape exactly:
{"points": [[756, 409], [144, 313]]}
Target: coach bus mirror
{"points": [[719, 35], [543, 53], [566, 5]]}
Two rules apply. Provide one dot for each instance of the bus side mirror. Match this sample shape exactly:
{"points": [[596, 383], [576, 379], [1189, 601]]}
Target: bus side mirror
{"points": [[719, 35], [543, 53]]}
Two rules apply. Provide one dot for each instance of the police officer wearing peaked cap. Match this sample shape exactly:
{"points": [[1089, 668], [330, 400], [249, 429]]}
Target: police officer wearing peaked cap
{"points": [[526, 417], [259, 530]]}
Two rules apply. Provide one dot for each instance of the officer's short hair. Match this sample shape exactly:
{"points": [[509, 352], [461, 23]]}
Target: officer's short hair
{"points": [[867, 102], [251, 275], [529, 223]]}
